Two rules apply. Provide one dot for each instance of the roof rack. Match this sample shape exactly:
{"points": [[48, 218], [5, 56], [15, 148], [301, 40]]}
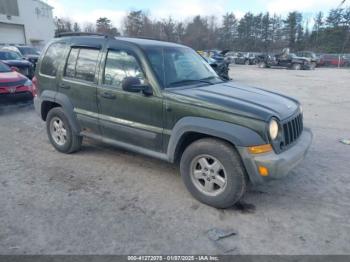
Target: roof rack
{"points": [[80, 34]]}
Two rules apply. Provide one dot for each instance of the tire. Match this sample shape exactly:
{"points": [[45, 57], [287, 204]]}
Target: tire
{"points": [[296, 66], [233, 179], [62, 138]]}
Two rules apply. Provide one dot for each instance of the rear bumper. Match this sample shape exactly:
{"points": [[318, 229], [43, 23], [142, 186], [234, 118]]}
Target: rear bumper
{"points": [[279, 165]]}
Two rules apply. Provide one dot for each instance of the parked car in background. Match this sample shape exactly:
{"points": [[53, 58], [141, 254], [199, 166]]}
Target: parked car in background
{"points": [[314, 59], [246, 58], [230, 57], [14, 85], [285, 60], [346, 58], [216, 54], [220, 67], [17, 62], [217, 61], [29, 53], [334, 60]]}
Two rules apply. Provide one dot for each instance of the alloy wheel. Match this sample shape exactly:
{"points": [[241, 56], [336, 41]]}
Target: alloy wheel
{"points": [[208, 175]]}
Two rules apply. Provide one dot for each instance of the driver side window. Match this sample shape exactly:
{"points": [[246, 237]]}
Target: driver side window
{"points": [[119, 65]]}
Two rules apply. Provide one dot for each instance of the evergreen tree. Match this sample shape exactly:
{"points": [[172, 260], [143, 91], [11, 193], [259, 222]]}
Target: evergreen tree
{"points": [[228, 31]]}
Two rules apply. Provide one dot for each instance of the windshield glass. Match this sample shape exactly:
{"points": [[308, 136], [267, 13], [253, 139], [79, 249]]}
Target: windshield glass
{"points": [[28, 51], [4, 68], [9, 56], [175, 66]]}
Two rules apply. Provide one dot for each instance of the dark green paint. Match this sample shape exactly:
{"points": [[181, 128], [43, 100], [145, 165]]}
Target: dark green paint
{"points": [[147, 121]]}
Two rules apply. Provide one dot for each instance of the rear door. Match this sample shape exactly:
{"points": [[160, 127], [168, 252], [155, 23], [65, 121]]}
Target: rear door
{"points": [[79, 83]]}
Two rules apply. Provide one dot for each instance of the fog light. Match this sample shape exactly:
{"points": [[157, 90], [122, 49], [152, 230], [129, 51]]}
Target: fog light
{"points": [[260, 149], [263, 171]]}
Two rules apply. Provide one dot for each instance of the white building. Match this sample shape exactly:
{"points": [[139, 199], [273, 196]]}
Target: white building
{"points": [[26, 22]]}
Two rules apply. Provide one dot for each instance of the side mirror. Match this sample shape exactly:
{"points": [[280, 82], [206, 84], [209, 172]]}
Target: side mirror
{"points": [[134, 85]]}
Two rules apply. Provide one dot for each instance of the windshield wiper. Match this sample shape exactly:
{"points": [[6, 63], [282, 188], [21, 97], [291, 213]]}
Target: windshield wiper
{"points": [[189, 81]]}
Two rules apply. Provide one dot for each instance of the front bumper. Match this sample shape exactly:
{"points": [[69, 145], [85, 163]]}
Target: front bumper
{"points": [[279, 165], [15, 97]]}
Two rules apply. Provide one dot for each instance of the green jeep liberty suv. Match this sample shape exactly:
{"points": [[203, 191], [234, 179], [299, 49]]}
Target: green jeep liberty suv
{"points": [[163, 100]]}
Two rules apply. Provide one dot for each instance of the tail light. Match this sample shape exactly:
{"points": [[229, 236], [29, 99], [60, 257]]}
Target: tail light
{"points": [[35, 86]]}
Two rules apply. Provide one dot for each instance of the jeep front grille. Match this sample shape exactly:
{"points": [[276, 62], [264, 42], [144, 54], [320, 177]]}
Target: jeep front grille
{"points": [[292, 129]]}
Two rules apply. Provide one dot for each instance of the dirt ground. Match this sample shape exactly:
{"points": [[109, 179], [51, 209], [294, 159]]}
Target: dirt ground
{"points": [[104, 200]]}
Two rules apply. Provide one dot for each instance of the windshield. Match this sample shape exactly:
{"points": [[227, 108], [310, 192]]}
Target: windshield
{"points": [[179, 65], [28, 51], [4, 68], [9, 56]]}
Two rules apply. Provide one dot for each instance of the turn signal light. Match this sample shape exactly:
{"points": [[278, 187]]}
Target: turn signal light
{"points": [[260, 149], [263, 171]]}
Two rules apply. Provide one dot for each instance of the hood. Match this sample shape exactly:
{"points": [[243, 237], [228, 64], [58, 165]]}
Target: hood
{"points": [[238, 99], [17, 63]]}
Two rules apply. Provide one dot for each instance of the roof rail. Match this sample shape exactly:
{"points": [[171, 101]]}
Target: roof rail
{"points": [[80, 34]]}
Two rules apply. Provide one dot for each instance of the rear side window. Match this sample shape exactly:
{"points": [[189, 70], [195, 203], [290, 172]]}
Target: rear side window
{"points": [[51, 60], [81, 64]]}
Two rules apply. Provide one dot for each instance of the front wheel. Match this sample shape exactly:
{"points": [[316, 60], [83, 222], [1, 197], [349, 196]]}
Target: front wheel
{"points": [[213, 173], [60, 132]]}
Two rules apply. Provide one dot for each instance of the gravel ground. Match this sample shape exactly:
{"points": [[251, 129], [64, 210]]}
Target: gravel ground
{"points": [[104, 200]]}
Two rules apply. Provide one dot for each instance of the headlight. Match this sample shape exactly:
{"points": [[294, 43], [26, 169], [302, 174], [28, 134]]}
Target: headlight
{"points": [[273, 129], [28, 83], [301, 109]]}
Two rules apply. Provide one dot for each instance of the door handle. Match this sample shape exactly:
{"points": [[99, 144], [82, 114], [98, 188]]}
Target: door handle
{"points": [[64, 86], [108, 95]]}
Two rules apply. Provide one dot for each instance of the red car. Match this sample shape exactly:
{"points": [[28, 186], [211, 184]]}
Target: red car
{"points": [[14, 85], [334, 60]]}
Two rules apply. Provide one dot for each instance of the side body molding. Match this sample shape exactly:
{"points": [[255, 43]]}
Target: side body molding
{"points": [[237, 135]]}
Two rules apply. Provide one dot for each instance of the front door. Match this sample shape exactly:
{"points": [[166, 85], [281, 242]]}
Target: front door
{"points": [[132, 118]]}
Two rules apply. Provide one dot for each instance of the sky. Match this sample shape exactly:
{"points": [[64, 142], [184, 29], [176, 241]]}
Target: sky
{"points": [[83, 11]]}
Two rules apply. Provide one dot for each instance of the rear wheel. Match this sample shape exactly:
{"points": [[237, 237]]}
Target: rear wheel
{"points": [[213, 173], [60, 132]]}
